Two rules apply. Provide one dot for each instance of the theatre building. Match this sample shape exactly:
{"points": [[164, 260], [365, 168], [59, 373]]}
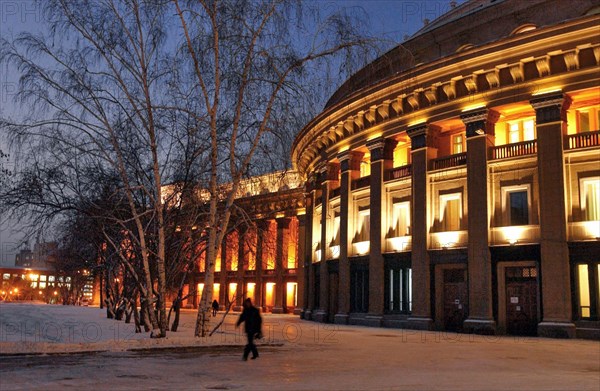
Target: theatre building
{"points": [[454, 183]]}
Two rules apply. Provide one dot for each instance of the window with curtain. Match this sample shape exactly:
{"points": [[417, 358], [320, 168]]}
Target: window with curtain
{"points": [[590, 198], [451, 211], [401, 218]]}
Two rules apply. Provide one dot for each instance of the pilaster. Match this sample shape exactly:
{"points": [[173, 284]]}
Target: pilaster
{"points": [[422, 148], [480, 135], [282, 246], [550, 110]]}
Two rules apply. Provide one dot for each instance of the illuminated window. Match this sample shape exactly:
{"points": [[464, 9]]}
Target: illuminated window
{"points": [[451, 211], [458, 143], [522, 130], [291, 294], [334, 245], [401, 155], [365, 165], [218, 259], [515, 204], [588, 119], [401, 218], [6, 276], [398, 292], [250, 290], [269, 294], [292, 255], [364, 224], [250, 249], [584, 291], [232, 250], [589, 189]]}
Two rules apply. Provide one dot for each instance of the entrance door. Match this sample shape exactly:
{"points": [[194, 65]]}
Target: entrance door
{"points": [[521, 300], [456, 299], [333, 296]]}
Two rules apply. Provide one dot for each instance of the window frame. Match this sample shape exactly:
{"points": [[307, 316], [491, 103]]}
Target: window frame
{"points": [[444, 198], [506, 191], [583, 195]]}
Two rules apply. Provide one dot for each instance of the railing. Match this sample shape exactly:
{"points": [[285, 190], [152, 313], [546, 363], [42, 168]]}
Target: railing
{"points": [[269, 272], [250, 273], [361, 182], [232, 273], [583, 140], [399, 172], [291, 272], [522, 148], [456, 160]]}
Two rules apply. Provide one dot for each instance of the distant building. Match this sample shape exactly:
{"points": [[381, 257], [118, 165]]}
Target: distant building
{"points": [[24, 258], [44, 255]]}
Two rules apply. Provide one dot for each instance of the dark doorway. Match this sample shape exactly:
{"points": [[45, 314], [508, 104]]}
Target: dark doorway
{"points": [[521, 300], [456, 299]]}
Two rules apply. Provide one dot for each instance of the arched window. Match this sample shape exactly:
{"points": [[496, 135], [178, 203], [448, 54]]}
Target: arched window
{"points": [[524, 28], [465, 47]]}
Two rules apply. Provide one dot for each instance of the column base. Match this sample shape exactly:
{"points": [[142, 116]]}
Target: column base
{"points": [[418, 323], [238, 308], [306, 314], [278, 310], [320, 316], [298, 311], [340, 319], [480, 326], [556, 330], [374, 320]]}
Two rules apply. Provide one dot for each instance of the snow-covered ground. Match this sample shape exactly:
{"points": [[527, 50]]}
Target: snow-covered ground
{"points": [[295, 355]]}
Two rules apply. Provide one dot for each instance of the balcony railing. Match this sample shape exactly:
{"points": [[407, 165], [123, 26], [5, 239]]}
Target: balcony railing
{"points": [[361, 182], [456, 160], [583, 140], [522, 148], [398, 172], [291, 272]]}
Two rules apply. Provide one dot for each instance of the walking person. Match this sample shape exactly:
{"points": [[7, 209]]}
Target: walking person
{"points": [[215, 307], [252, 326]]}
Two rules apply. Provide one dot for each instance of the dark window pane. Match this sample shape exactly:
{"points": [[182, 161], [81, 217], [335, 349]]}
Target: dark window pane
{"points": [[519, 210]]}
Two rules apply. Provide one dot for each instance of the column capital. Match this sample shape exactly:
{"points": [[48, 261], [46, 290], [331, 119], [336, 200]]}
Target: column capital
{"points": [[350, 160], [283, 222], [551, 107], [480, 121], [381, 148], [327, 172], [421, 136]]}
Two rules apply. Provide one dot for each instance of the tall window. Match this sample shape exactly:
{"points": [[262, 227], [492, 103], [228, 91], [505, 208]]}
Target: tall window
{"points": [[334, 245], [588, 119], [398, 292], [515, 204], [359, 290], [458, 143], [451, 211], [584, 291], [364, 224], [401, 218], [365, 165], [589, 189], [522, 130]]}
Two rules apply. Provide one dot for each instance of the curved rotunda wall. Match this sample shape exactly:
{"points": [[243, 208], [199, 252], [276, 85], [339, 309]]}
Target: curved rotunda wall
{"points": [[474, 22], [434, 190], [447, 82]]}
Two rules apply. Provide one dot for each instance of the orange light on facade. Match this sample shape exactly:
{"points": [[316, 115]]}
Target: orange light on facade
{"points": [[250, 290], [269, 294], [55, 293]]}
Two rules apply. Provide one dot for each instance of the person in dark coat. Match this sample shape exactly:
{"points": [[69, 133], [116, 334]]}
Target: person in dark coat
{"points": [[215, 307], [252, 326]]}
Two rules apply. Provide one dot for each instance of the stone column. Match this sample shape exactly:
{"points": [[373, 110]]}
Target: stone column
{"points": [[480, 135], [223, 277], [551, 124], [262, 227], [281, 257], [307, 258], [422, 149], [382, 159], [350, 170], [241, 292], [301, 271], [327, 175]]}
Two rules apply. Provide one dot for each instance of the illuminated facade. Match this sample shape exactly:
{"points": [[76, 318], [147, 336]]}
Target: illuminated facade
{"points": [[260, 260], [454, 183]]}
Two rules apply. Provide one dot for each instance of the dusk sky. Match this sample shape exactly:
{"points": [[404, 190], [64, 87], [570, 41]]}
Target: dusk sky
{"points": [[391, 20]]}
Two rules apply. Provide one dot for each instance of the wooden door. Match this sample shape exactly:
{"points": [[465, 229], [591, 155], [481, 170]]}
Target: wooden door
{"points": [[456, 299], [521, 301]]}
